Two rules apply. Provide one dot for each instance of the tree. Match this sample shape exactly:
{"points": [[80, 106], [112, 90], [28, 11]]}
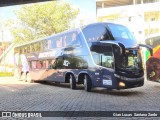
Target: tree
{"points": [[42, 19]]}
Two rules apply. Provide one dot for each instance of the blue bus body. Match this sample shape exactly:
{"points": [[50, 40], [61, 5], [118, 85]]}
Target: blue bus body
{"points": [[105, 55]]}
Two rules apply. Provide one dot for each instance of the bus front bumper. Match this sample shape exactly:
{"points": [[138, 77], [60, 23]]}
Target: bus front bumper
{"points": [[124, 82]]}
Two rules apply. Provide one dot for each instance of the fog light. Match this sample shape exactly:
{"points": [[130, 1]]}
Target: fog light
{"points": [[121, 84]]}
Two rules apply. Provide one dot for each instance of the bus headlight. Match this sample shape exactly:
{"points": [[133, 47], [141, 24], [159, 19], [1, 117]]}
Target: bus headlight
{"points": [[121, 84]]}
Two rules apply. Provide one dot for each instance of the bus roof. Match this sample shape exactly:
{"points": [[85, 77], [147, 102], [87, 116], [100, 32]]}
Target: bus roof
{"points": [[53, 35]]}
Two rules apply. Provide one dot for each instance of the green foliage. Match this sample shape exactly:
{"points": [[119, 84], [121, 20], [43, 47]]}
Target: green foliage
{"points": [[42, 19]]}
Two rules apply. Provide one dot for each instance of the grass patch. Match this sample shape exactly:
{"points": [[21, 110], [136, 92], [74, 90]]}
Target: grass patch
{"points": [[6, 74]]}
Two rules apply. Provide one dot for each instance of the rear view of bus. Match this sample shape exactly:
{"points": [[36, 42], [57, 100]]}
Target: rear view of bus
{"points": [[153, 62]]}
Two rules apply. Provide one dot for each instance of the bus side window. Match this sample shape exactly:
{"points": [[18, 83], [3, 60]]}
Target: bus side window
{"points": [[53, 42], [51, 64], [33, 64], [107, 60], [96, 33], [96, 58], [73, 39], [49, 44], [68, 39], [38, 65], [30, 64], [64, 40], [59, 42], [76, 40], [46, 63], [59, 63]]}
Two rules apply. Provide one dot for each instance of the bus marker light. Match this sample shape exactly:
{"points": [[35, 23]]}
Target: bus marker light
{"points": [[122, 84]]}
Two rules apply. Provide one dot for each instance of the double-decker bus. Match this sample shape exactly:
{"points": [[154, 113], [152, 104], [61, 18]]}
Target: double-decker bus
{"points": [[153, 62], [96, 55]]}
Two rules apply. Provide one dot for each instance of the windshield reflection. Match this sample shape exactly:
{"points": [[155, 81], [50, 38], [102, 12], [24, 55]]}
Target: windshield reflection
{"points": [[130, 61]]}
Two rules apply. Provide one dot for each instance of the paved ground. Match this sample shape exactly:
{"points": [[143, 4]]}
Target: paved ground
{"points": [[22, 96]]}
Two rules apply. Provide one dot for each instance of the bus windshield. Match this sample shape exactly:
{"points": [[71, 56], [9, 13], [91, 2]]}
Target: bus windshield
{"points": [[130, 61], [119, 31]]}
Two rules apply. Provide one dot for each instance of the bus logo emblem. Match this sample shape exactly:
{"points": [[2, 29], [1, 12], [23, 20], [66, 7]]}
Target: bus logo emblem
{"points": [[66, 63]]}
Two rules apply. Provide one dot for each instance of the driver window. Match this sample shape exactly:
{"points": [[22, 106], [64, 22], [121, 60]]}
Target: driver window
{"points": [[107, 60], [103, 55]]}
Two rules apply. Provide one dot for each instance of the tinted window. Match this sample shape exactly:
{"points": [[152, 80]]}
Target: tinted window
{"points": [[59, 63], [71, 39], [119, 31], [51, 64], [53, 42], [96, 58], [101, 48], [75, 62], [38, 64], [33, 64], [107, 60], [96, 33], [59, 41], [103, 55]]}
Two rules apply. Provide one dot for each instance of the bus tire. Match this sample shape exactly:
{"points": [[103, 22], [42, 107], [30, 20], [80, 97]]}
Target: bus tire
{"points": [[28, 78], [72, 81], [87, 83]]}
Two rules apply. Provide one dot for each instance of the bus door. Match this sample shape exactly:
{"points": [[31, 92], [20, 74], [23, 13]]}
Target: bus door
{"points": [[105, 55]]}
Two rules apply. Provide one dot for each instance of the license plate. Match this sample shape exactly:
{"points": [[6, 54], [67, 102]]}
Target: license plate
{"points": [[107, 82]]}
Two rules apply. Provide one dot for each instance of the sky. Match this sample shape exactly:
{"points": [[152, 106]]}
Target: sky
{"points": [[87, 7], [87, 11]]}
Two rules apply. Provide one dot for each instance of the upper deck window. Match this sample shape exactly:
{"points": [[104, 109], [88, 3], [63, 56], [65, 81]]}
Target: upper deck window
{"points": [[96, 33], [119, 31]]}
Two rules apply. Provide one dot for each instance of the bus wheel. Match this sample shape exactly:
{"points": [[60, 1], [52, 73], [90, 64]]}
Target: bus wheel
{"points": [[87, 83], [28, 78], [72, 81]]}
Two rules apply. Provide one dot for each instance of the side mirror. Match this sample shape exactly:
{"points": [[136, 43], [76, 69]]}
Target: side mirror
{"points": [[148, 47]]}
